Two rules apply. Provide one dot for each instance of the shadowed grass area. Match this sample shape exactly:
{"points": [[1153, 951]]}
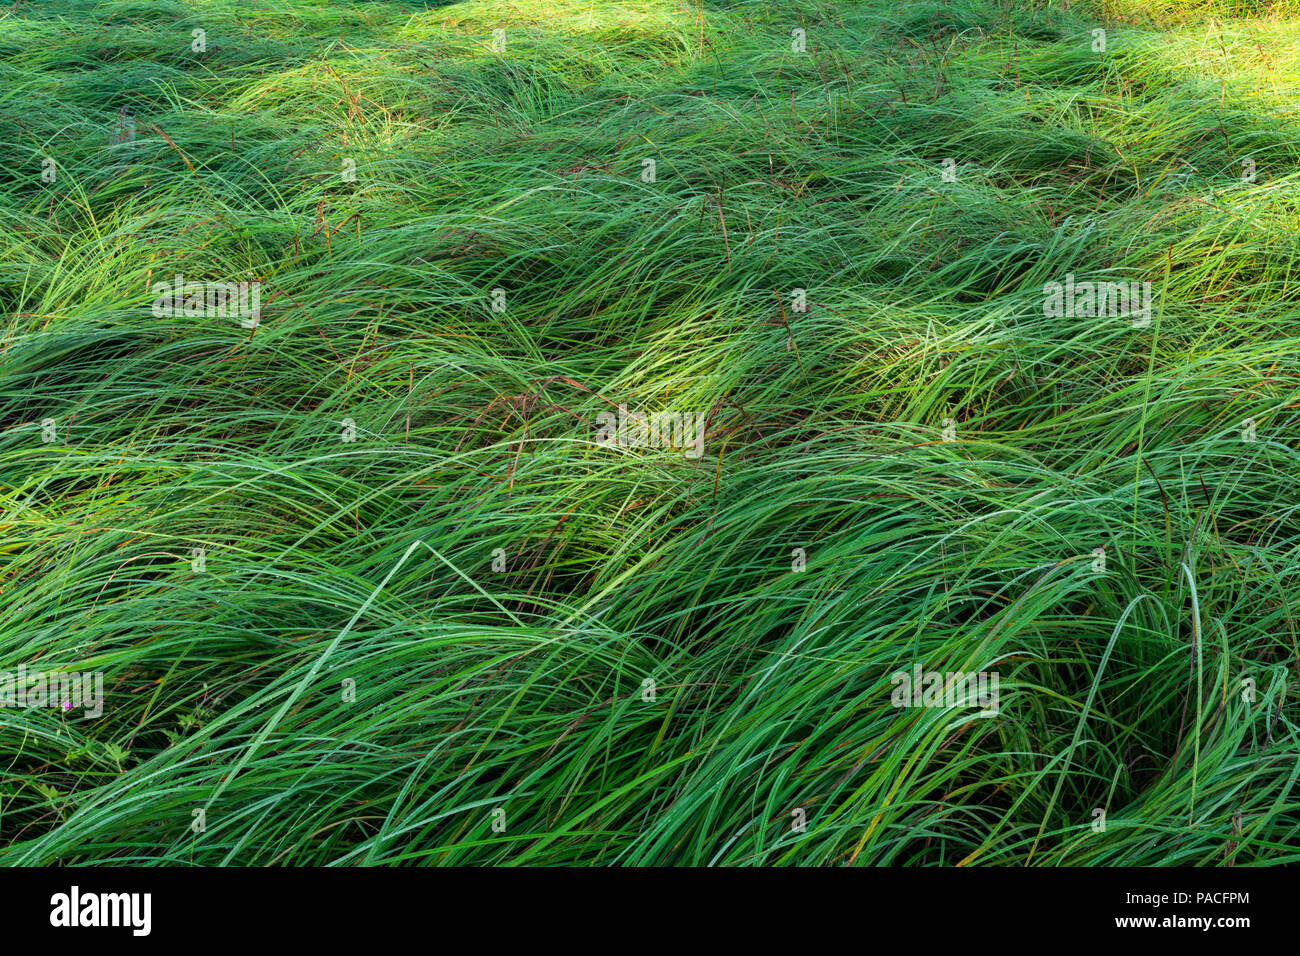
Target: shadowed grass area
{"points": [[366, 587]]}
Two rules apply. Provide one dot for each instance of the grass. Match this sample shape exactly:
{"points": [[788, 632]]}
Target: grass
{"points": [[475, 634]]}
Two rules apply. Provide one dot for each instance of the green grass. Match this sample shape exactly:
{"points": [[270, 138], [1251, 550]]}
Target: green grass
{"points": [[372, 561]]}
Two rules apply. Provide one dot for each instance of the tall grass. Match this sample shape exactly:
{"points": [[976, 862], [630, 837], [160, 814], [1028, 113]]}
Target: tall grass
{"points": [[640, 657]]}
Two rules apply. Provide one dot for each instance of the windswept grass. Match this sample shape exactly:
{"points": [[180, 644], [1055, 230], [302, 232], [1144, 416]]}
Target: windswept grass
{"points": [[637, 656]]}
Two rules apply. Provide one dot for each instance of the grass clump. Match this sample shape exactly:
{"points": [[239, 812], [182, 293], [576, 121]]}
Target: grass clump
{"points": [[363, 583]]}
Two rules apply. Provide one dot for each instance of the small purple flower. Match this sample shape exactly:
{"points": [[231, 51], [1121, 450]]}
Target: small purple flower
{"points": [[67, 705]]}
